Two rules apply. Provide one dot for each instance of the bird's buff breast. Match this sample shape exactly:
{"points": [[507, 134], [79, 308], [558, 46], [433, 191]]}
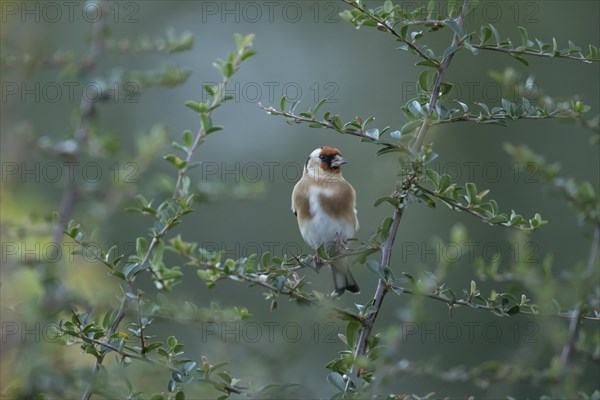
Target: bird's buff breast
{"points": [[322, 228]]}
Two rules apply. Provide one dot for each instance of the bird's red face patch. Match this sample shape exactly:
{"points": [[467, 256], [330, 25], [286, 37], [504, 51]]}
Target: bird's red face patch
{"points": [[326, 156], [330, 151]]}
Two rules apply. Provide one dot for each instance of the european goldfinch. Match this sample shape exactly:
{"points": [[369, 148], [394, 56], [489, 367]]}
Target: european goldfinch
{"points": [[325, 205]]}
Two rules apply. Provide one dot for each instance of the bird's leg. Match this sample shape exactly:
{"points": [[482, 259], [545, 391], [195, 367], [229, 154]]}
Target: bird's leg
{"points": [[340, 242], [318, 261]]}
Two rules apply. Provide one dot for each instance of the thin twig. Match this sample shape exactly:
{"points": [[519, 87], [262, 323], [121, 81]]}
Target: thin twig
{"points": [[442, 69], [533, 53], [569, 347], [591, 265], [148, 360], [324, 124], [87, 394], [200, 135], [67, 203], [141, 325], [391, 30], [457, 206], [86, 112], [362, 343], [380, 292], [470, 304], [329, 125], [481, 118], [290, 292]]}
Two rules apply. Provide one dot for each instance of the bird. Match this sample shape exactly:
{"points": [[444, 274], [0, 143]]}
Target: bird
{"points": [[325, 206]]}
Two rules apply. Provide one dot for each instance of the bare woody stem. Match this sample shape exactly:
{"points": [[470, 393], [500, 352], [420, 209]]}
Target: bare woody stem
{"points": [[569, 347], [388, 27], [442, 69], [532, 53], [148, 360], [577, 315], [86, 112], [380, 292], [67, 202], [200, 136]]}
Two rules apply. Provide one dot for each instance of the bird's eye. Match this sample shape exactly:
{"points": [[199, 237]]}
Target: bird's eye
{"points": [[322, 157]]}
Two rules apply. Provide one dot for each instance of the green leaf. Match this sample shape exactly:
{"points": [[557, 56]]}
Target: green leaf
{"points": [[265, 259], [452, 8], [524, 35], [132, 269], [387, 6], [444, 182], [495, 122], [247, 54], [513, 310], [198, 107], [351, 331], [141, 246], [318, 105], [522, 60], [433, 176], [498, 219], [385, 226], [280, 283], [172, 341], [152, 346], [322, 252], [410, 127], [173, 159], [188, 138], [427, 63], [211, 90], [337, 123], [337, 381], [213, 129], [486, 34], [376, 267], [425, 198], [456, 28], [450, 50], [381, 200], [282, 103], [496, 34], [593, 52], [225, 376], [471, 193], [373, 133], [172, 386], [245, 42], [424, 80], [472, 49], [228, 70], [484, 107], [206, 121], [415, 108]]}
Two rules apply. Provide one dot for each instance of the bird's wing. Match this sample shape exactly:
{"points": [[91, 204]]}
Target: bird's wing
{"points": [[300, 201]]}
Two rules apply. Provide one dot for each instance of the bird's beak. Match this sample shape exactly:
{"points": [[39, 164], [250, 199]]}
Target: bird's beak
{"points": [[337, 161]]}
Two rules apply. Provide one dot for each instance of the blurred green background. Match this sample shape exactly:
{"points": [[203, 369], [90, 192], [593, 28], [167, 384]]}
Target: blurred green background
{"points": [[304, 51]]}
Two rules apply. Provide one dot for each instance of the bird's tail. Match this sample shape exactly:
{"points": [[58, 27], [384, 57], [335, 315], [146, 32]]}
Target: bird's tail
{"points": [[342, 277]]}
